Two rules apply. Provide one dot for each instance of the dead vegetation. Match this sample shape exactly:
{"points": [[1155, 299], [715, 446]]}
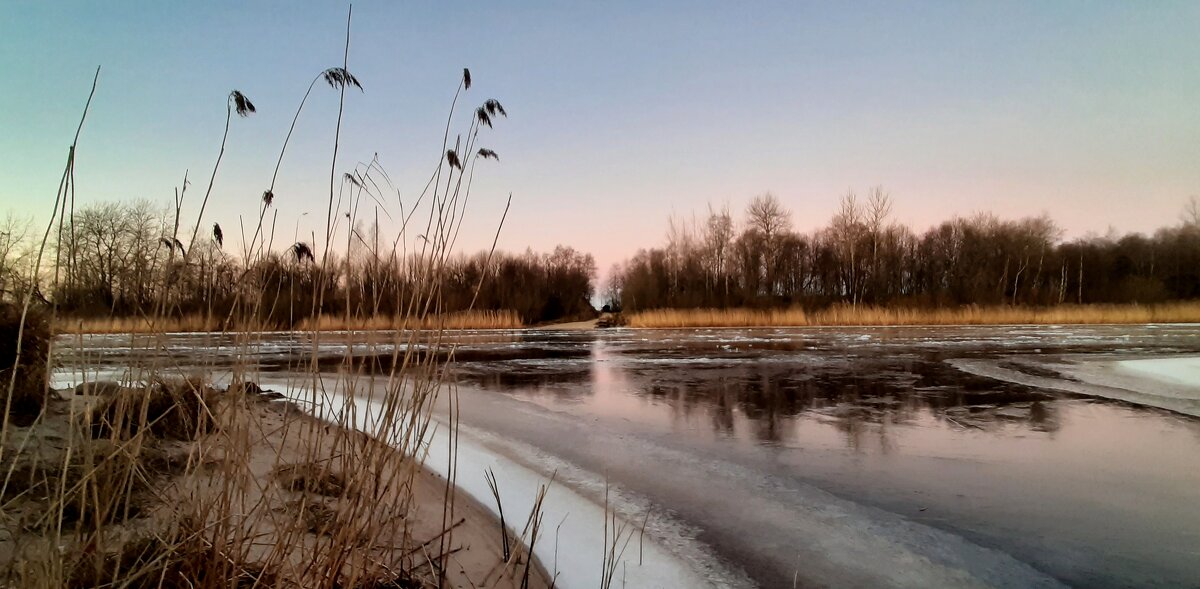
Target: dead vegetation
{"points": [[26, 375], [170, 410], [847, 315], [166, 482], [265, 497], [202, 323], [310, 478]]}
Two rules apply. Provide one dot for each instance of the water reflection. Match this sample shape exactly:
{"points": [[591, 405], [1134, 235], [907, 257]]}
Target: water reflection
{"points": [[763, 386], [772, 397]]}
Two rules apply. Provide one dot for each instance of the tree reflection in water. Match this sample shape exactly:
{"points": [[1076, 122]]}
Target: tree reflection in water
{"points": [[768, 398]]}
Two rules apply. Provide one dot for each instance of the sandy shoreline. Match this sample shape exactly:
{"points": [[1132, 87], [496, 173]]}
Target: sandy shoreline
{"points": [[280, 490]]}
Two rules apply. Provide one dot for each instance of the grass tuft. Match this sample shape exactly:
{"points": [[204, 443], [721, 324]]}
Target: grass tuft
{"points": [[28, 395], [310, 477], [178, 410]]}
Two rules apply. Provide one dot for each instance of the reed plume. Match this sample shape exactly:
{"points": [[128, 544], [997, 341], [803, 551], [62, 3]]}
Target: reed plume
{"points": [[241, 105], [494, 107], [237, 102], [482, 115], [302, 251], [339, 77]]}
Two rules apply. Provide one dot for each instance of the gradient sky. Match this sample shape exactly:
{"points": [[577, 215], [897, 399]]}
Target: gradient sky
{"points": [[621, 114]]}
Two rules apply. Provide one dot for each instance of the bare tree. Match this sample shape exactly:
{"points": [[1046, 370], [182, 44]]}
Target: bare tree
{"points": [[1191, 212], [718, 238], [612, 287], [768, 217], [14, 254], [879, 206], [846, 229]]}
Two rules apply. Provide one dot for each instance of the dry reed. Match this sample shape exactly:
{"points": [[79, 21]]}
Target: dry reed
{"points": [[260, 494], [846, 315], [459, 320], [202, 323]]}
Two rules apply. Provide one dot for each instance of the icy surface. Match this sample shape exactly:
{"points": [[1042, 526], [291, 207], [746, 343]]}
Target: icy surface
{"points": [[572, 541], [835, 457], [847, 543], [1178, 371], [1166, 383]]}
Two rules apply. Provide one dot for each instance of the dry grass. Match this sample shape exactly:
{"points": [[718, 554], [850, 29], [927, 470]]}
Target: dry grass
{"points": [[179, 484], [845, 315], [178, 410], [718, 318], [109, 325], [266, 497], [200, 323], [461, 320]]}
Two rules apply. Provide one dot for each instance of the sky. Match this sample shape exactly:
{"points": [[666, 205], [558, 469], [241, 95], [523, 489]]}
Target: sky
{"points": [[621, 114]]}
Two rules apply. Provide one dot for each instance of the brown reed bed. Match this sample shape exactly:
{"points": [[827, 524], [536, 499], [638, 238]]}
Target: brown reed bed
{"points": [[718, 318], [847, 315], [460, 320], [199, 323], [141, 324]]}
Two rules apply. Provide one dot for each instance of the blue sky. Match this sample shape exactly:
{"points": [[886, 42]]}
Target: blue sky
{"points": [[623, 113]]}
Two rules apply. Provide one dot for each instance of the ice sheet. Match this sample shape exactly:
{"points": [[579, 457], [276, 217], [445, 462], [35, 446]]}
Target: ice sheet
{"points": [[1166, 383], [857, 543], [1179, 371], [572, 543]]}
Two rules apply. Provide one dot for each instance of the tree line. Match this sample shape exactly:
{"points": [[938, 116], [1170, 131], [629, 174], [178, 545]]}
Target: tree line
{"points": [[863, 257], [116, 260], [112, 260]]}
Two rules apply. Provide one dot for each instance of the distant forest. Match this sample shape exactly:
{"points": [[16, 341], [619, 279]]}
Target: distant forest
{"points": [[863, 257], [115, 262], [114, 259]]}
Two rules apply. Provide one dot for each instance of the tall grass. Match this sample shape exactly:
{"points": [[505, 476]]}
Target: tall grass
{"points": [[847, 315], [163, 482]]}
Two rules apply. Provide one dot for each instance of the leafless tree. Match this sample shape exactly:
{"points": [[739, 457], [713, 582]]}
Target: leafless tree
{"points": [[1191, 212], [14, 255]]}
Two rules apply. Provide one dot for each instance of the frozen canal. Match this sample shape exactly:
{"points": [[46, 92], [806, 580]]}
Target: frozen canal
{"points": [[973, 456]]}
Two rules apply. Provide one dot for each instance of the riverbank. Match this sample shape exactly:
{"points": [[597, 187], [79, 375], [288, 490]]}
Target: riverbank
{"points": [[586, 532], [233, 485], [835, 316]]}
